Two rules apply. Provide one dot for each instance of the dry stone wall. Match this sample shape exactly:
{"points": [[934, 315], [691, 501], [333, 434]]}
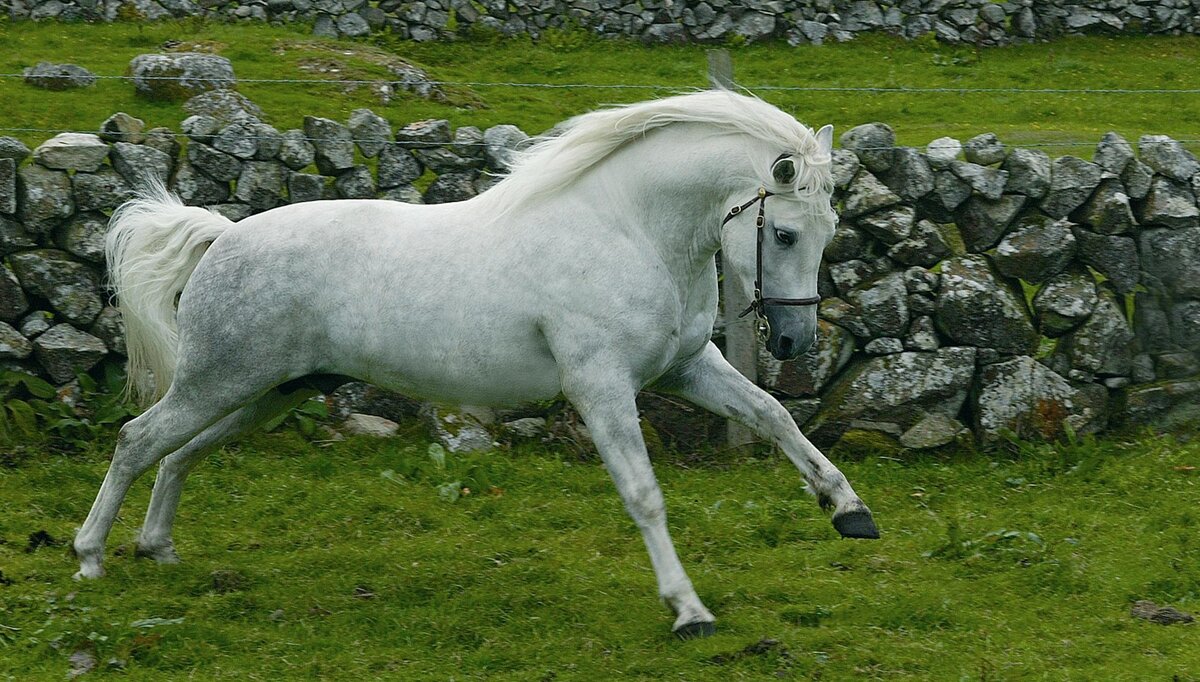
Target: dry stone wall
{"points": [[980, 22], [971, 288]]}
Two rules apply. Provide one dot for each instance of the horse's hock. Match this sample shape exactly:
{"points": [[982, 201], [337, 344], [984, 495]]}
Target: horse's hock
{"points": [[971, 288]]}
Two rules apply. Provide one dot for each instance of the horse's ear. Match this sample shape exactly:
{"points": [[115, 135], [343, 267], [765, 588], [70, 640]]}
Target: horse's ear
{"points": [[825, 139], [784, 171]]}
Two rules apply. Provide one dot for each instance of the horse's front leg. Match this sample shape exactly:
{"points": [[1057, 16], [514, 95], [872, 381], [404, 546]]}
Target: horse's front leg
{"points": [[610, 413], [712, 383]]}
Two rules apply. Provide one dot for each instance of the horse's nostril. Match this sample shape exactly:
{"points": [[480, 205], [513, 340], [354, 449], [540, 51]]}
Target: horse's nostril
{"points": [[785, 345]]}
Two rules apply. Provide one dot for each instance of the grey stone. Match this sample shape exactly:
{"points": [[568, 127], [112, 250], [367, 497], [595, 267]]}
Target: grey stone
{"points": [[985, 149], [665, 34], [873, 143], [103, 190], [441, 160], [237, 139], [324, 27], [1023, 397], [900, 388], [1137, 178], [809, 373], [910, 176], [1171, 258], [848, 243], [861, 16], [851, 273], [801, 409], [72, 151], [1103, 343], [943, 152], [754, 26], [865, 195], [215, 164], [65, 351], [1167, 157], [468, 143], [371, 131], [921, 304], [456, 430], [1113, 153], [924, 246], [49, 76], [1071, 183], [1064, 302], [889, 225], [1037, 249], [196, 188], [121, 127], [83, 236], [140, 165], [368, 424], [12, 297], [982, 222], [918, 280], [1152, 404], [883, 305], [1028, 172], [1152, 325], [353, 25], [295, 152], [179, 75], [525, 429], [934, 430], [1114, 257], [110, 329], [200, 128], [260, 186], [450, 187], [44, 198], [13, 236], [425, 134], [1179, 365], [844, 315], [1185, 324], [223, 106], [949, 193], [501, 141], [1169, 204], [988, 182], [305, 187], [12, 345], [397, 167], [1143, 369], [12, 148], [364, 398], [36, 322], [163, 139], [333, 143], [355, 183], [884, 346], [976, 308], [405, 194], [8, 186], [1108, 210], [71, 288], [232, 212], [845, 166], [268, 139], [922, 335]]}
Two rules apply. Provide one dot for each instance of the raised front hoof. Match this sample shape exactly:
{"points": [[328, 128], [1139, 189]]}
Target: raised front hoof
{"points": [[163, 554], [856, 524], [695, 630]]}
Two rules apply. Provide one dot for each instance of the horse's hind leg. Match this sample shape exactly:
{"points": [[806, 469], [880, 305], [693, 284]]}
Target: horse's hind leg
{"points": [[154, 540], [162, 429]]}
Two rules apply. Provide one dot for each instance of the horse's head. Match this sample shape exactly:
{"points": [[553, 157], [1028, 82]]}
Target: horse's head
{"points": [[782, 256]]}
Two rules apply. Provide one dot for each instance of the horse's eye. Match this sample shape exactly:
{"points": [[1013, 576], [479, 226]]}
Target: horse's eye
{"points": [[786, 238]]}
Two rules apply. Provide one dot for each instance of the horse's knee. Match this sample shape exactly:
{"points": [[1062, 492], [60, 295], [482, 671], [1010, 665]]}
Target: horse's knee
{"points": [[645, 504]]}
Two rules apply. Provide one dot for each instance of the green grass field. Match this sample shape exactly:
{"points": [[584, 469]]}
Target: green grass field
{"points": [[346, 562], [570, 58]]}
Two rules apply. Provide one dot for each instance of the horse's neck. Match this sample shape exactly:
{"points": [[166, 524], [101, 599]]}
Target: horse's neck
{"points": [[672, 189]]}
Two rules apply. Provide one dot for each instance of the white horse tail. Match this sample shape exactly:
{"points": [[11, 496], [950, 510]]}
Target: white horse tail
{"points": [[154, 243]]}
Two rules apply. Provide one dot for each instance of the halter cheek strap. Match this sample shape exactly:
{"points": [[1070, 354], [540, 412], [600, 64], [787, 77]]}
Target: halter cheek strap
{"points": [[758, 304]]}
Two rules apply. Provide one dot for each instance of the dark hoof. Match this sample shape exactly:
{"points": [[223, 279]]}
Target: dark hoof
{"points": [[856, 524], [695, 630]]}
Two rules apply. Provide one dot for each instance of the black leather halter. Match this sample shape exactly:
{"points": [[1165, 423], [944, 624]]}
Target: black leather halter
{"points": [[757, 305]]}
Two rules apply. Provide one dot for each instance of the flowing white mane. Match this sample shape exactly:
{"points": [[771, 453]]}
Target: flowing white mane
{"points": [[554, 162]]}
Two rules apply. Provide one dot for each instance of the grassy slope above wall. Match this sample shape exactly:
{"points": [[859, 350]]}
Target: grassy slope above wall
{"points": [[259, 51]]}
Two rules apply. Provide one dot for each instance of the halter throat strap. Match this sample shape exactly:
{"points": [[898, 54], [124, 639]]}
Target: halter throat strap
{"points": [[759, 303]]}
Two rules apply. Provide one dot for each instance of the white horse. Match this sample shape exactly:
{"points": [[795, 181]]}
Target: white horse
{"points": [[588, 272]]}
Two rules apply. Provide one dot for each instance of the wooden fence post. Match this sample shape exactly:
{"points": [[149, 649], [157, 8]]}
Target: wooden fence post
{"points": [[741, 344]]}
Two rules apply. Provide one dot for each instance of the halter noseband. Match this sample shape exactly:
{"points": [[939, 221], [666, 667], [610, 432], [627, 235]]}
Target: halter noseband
{"points": [[757, 306]]}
